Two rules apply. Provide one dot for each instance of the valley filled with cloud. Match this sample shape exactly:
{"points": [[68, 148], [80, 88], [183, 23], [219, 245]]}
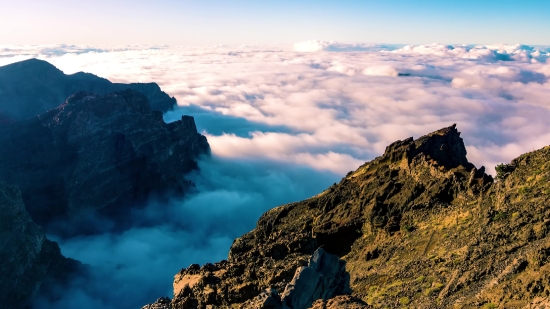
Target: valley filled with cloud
{"points": [[284, 123]]}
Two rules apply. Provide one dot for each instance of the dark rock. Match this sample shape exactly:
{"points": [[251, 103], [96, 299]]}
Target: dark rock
{"points": [[97, 153], [32, 87], [29, 261]]}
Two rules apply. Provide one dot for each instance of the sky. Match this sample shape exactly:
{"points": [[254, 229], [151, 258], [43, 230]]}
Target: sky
{"points": [[208, 22]]}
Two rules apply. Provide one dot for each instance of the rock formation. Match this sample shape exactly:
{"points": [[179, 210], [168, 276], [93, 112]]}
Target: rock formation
{"points": [[97, 152], [418, 227], [324, 278], [33, 86], [27, 258]]}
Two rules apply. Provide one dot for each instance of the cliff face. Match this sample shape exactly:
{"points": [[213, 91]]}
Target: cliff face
{"points": [[97, 152], [32, 87], [418, 227], [28, 258]]}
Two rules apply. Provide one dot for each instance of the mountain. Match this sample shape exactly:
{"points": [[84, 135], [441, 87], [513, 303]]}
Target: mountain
{"points": [[418, 227], [97, 152], [33, 86], [30, 261]]}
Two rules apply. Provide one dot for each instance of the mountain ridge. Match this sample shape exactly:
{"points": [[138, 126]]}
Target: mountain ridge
{"points": [[418, 227], [31, 87]]}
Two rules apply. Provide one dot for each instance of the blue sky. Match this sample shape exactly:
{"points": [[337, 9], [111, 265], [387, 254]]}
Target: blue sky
{"points": [[261, 21]]}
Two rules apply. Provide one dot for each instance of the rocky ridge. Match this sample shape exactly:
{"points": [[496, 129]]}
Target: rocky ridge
{"points": [[97, 153], [32, 87], [418, 227], [29, 259]]}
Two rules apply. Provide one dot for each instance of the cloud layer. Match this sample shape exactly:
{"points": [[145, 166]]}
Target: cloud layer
{"points": [[285, 123], [334, 110]]}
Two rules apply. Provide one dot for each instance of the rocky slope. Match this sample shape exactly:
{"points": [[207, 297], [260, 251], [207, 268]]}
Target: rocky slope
{"points": [[29, 260], [97, 152], [418, 227], [33, 86]]}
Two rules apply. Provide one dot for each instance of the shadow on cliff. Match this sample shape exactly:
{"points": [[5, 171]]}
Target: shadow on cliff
{"points": [[132, 267]]}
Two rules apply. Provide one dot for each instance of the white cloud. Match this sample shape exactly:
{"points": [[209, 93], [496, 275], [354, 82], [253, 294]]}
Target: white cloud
{"points": [[351, 104], [383, 70]]}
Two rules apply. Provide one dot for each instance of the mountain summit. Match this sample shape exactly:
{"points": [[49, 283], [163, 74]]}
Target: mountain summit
{"points": [[33, 86]]}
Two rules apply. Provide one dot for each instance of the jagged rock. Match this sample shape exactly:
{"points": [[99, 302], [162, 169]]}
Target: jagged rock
{"points": [[32, 87], [97, 152], [28, 258], [324, 278], [161, 303]]}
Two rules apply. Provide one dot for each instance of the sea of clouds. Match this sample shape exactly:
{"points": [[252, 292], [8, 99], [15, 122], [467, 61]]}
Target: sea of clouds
{"points": [[286, 122]]}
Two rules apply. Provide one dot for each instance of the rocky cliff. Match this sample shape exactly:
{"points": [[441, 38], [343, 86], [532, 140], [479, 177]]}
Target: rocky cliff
{"points": [[27, 258], [418, 227], [32, 87], [97, 152]]}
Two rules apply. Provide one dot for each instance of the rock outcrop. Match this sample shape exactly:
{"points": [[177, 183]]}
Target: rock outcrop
{"points": [[32, 87], [418, 227], [28, 258], [324, 278], [97, 152]]}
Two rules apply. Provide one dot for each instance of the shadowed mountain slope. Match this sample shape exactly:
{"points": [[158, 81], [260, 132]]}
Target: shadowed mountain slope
{"points": [[97, 152], [29, 259], [33, 86]]}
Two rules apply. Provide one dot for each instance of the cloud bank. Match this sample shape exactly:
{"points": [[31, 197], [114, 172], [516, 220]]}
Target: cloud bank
{"points": [[285, 123], [134, 267]]}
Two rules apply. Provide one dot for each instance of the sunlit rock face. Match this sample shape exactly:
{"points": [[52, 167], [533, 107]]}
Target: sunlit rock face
{"points": [[98, 153], [33, 86], [419, 226], [29, 259]]}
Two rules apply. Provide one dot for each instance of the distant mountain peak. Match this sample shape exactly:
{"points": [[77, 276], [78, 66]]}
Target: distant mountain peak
{"points": [[33, 86]]}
